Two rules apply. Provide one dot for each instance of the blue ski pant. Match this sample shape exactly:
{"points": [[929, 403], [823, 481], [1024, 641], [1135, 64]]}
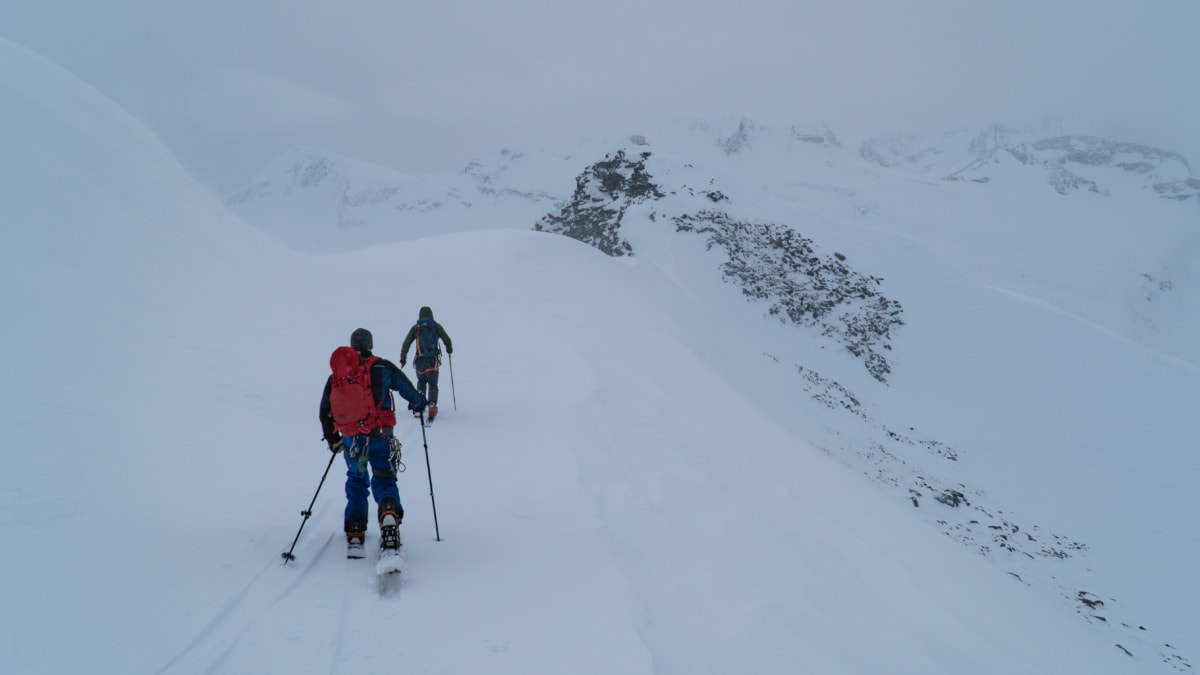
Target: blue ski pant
{"points": [[374, 477]]}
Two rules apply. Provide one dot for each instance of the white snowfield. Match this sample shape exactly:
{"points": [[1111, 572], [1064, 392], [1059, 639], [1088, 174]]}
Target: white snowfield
{"points": [[641, 473]]}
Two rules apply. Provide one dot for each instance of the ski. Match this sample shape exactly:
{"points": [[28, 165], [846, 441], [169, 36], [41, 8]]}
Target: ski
{"points": [[389, 544], [387, 579], [354, 547], [390, 562]]}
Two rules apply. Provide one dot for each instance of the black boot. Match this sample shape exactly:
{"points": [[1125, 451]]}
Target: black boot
{"points": [[356, 535], [390, 516]]}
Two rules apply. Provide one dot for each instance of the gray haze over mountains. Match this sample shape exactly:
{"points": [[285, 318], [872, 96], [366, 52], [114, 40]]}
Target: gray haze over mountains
{"points": [[426, 87]]}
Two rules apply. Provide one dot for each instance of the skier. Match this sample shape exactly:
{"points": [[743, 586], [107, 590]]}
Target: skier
{"points": [[357, 417], [428, 359]]}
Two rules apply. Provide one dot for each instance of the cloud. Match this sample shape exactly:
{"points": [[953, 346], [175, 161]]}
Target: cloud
{"points": [[236, 82], [243, 102]]}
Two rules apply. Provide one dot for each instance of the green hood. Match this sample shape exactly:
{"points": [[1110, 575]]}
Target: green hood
{"points": [[425, 313]]}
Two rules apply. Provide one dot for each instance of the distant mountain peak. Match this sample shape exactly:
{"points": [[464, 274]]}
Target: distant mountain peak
{"points": [[308, 166], [302, 169], [737, 140]]}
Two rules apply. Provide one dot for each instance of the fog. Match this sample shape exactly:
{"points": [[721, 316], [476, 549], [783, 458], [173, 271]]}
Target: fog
{"points": [[230, 84]]}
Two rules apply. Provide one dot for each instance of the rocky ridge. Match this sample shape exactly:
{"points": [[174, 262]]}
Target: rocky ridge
{"points": [[771, 262]]}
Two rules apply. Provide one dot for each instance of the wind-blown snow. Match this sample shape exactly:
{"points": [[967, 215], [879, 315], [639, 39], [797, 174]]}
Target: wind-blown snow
{"points": [[634, 470]]}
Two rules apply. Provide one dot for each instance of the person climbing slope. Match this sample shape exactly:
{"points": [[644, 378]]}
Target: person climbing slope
{"points": [[428, 358], [357, 416]]}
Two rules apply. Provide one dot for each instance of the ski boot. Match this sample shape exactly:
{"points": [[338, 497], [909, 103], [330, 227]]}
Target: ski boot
{"points": [[354, 545], [390, 515], [356, 536]]}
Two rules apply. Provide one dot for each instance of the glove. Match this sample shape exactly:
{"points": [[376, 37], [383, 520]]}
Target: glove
{"points": [[403, 363], [418, 407], [449, 350], [336, 445]]}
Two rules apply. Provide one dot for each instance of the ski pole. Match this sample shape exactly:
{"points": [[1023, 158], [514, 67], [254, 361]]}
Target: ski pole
{"points": [[429, 471], [308, 512], [452, 394]]}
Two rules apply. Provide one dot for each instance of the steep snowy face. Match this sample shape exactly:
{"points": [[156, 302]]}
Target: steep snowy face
{"points": [[1070, 163], [770, 262], [71, 156]]}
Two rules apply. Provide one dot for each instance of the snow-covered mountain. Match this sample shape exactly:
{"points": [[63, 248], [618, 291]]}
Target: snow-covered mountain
{"points": [[1068, 162], [779, 408], [318, 201], [1029, 198], [737, 204]]}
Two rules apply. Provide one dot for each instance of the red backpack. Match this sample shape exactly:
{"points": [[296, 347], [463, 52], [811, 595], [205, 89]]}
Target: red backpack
{"points": [[350, 399]]}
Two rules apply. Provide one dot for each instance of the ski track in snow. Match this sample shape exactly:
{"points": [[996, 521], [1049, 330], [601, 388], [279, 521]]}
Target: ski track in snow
{"points": [[357, 573], [1186, 366], [226, 628], [344, 614], [237, 624]]}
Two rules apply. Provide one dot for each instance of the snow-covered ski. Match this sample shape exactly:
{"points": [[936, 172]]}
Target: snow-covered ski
{"points": [[390, 558], [354, 547], [387, 579], [390, 562]]}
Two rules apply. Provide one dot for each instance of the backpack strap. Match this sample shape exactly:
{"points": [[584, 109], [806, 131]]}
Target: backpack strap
{"points": [[387, 416]]}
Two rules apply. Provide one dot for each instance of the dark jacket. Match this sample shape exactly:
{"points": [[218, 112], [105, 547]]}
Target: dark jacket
{"points": [[385, 378], [412, 335]]}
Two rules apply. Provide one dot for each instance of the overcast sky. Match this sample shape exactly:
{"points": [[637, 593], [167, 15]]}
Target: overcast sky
{"points": [[230, 84]]}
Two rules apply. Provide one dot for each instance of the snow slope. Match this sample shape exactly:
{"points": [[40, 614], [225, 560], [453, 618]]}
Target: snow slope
{"points": [[613, 493]]}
